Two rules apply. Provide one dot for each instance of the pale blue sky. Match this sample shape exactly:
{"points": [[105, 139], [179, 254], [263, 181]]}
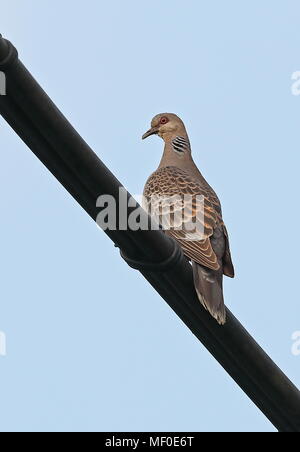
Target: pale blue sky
{"points": [[90, 345]]}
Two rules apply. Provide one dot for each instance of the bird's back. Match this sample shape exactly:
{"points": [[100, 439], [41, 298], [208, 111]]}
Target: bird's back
{"points": [[159, 192]]}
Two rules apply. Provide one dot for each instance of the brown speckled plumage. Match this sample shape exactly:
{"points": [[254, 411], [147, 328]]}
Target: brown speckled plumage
{"points": [[178, 175]]}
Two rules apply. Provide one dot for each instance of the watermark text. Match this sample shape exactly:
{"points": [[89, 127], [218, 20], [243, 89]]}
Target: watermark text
{"points": [[295, 88], [177, 212], [2, 84], [2, 344], [296, 343]]}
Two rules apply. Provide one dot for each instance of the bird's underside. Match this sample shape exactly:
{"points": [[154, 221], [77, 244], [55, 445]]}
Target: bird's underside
{"points": [[190, 212]]}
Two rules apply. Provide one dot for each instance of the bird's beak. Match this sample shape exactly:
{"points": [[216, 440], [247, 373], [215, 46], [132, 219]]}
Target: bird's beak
{"points": [[152, 131]]}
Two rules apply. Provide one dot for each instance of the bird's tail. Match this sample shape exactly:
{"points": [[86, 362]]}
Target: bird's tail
{"points": [[209, 288]]}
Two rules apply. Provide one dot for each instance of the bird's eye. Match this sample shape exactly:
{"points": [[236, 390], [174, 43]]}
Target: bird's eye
{"points": [[164, 120]]}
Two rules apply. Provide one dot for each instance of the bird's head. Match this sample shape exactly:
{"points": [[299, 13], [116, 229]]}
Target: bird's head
{"points": [[167, 126]]}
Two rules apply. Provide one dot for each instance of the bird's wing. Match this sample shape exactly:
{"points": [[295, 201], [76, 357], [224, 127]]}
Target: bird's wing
{"points": [[165, 197]]}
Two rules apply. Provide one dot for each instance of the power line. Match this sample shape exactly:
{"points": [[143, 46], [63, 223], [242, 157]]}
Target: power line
{"points": [[34, 117]]}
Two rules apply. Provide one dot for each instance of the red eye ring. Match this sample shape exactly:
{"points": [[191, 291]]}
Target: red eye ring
{"points": [[164, 120]]}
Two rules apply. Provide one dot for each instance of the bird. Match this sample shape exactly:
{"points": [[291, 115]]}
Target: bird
{"points": [[177, 178]]}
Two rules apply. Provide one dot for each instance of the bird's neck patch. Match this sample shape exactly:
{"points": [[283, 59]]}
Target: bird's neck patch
{"points": [[180, 145]]}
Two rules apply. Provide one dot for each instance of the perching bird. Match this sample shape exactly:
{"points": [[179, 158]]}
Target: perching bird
{"points": [[177, 174]]}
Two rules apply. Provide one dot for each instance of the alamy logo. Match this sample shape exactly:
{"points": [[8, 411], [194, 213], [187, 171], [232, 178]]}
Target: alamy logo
{"points": [[2, 344], [295, 88], [296, 344], [2, 84], [173, 212]]}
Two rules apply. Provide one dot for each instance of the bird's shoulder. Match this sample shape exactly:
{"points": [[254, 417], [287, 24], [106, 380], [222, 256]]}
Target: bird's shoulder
{"points": [[171, 180]]}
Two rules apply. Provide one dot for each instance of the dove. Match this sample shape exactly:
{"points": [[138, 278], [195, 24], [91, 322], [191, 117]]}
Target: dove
{"points": [[177, 179]]}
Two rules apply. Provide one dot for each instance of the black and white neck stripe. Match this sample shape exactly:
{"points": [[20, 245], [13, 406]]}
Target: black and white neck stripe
{"points": [[180, 145]]}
